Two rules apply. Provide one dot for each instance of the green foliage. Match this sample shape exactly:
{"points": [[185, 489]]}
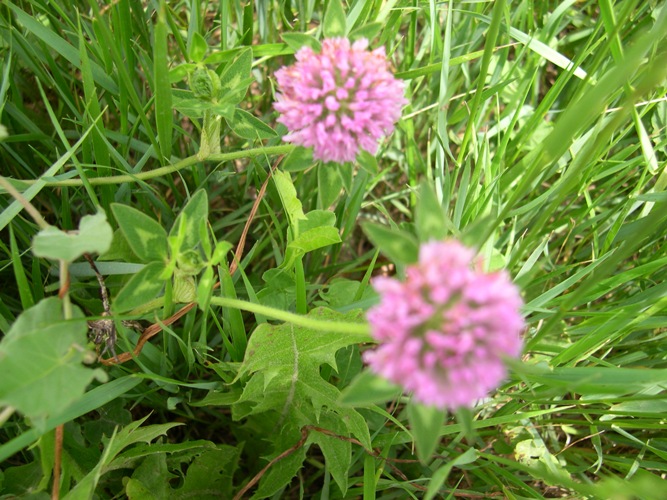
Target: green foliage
{"points": [[40, 358], [534, 132], [94, 236], [282, 366]]}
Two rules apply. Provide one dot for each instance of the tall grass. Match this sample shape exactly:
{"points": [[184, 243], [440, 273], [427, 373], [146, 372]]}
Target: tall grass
{"points": [[540, 126]]}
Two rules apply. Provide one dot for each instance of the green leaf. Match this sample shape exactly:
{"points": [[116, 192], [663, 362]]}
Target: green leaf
{"points": [[298, 159], [295, 41], [146, 237], [329, 185], [283, 365], [440, 476], [127, 436], [94, 236], [40, 361], [235, 78], [367, 31], [313, 239], [195, 214], [288, 197], [163, 106], [197, 108], [198, 48], [334, 20], [337, 453], [317, 231], [429, 215], [142, 288], [425, 423], [399, 246], [249, 126], [212, 471], [368, 389]]}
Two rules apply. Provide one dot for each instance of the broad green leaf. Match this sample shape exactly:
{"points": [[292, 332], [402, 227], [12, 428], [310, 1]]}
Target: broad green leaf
{"points": [[313, 239], [197, 108], [249, 126], [195, 214], [425, 425], [198, 48], [429, 215], [316, 231], [235, 78], [334, 23], [145, 235], [40, 361], [367, 389], [142, 288], [288, 196], [329, 185], [368, 31], [317, 218], [95, 398], [94, 236], [283, 365], [399, 246], [295, 41], [298, 159]]}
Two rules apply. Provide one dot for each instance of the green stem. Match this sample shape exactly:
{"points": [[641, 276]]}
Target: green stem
{"points": [[169, 169], [295, 319]]}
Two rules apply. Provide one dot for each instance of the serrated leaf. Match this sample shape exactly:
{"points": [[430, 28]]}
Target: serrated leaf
{"points": [[337, 452], [195, 213], [142, 288], [248, 126], [145, 235], [425, 425], [94, 236], [399, 246], [40, 361], [212, 471], [283, 365], [235, 78], [334, 24]]}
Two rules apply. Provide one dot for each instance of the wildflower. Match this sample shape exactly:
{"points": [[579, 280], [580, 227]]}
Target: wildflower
{"points": [[444, 331], [340, 100]]}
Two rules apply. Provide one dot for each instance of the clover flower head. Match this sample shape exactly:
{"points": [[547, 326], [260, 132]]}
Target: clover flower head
{"points": [[443, 332], [340, 100]]}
